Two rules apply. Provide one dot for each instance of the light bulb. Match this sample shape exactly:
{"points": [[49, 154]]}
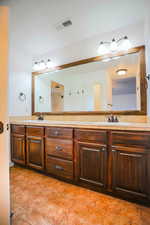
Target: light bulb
{"points": [[42, 65], [126, 44], [50, 64], [113, 45], [102, 49], [36, 66]]}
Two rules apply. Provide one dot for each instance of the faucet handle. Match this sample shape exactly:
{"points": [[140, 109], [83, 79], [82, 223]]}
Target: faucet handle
{"points": [[116, 119], [112, 118], [109, 118], [40, 117]]}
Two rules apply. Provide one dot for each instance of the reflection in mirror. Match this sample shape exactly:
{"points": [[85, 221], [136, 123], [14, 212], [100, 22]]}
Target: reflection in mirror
{"points": [[95, 86]]}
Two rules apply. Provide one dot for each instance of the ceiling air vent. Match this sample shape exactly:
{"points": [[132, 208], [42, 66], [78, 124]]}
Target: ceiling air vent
{"points": [[63, 24], [67, 23]]}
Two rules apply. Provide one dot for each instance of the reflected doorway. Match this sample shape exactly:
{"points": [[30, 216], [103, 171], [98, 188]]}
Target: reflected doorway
{"points": [[57, 97]]}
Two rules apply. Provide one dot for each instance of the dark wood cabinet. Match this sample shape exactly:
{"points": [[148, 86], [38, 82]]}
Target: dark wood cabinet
{"points": [[59, 132], [59, 167], [116, 162], [130, 164], [91, 164], [91, 136], [18, 144], [130, 177], [35, 148], [62, 148], [18, 148], [59, 152]]}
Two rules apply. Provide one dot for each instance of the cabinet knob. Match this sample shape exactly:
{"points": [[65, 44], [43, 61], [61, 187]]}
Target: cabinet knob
{"points": [[57, 167], [58, 148]]}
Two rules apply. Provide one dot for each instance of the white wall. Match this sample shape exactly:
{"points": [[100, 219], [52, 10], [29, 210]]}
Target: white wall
{"points": [[19, 82], [124, 102]]}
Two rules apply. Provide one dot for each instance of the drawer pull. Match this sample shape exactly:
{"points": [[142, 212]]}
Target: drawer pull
{"points": [[59, 168], [58, 148]]}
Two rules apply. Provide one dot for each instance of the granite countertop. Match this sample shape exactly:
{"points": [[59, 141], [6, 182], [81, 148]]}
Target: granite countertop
{"points": [[90, 125]]}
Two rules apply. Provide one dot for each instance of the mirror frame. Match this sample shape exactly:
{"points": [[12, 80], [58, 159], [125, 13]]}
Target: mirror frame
{"points": [[143, 85]]}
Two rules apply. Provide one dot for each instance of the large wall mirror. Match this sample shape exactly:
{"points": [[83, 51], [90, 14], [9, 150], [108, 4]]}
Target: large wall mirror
{"points": [[99, 85]]}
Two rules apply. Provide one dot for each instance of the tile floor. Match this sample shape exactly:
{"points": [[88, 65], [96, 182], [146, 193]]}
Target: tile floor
{"points": [[41, 200]]}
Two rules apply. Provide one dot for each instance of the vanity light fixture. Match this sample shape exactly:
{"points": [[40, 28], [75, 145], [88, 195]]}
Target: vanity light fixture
{"points": [[50, 64], [122, 44], [42, 65], [121, 72], [36, 66]]}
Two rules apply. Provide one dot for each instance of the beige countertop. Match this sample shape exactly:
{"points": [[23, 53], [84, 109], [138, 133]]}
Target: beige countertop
{"points": [[90, 125]]}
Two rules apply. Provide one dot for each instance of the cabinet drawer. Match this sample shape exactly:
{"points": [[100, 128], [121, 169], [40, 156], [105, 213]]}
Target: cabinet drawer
{"points": [[18, 129], [131, 139], [66, 133], [59, 167], [95, 136], [59, 147], [35, 131]]}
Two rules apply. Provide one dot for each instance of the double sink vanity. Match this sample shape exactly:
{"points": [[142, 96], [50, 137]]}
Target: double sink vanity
{"points": [[113, 158]]}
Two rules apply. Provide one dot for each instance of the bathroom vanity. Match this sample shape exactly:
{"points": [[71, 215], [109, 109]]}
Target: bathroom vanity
{"points": [[109, 159]]}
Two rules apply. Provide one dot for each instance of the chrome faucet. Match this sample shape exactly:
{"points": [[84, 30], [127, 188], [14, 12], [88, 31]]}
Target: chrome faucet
{"points": [[112, 118]]}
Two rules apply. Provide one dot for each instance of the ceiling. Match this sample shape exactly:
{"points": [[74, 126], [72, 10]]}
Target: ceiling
{"points": [[33, 27]]}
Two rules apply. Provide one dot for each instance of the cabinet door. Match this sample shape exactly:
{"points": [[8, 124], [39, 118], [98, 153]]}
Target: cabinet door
{"points": [[35, 152], [130, 176], [91, 164], [18, 148]]}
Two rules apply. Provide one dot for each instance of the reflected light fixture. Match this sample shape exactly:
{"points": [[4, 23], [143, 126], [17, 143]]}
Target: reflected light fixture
{"points": [[121, 72], [122, 44], [50, 64], [106, 59], [42, 65]]}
